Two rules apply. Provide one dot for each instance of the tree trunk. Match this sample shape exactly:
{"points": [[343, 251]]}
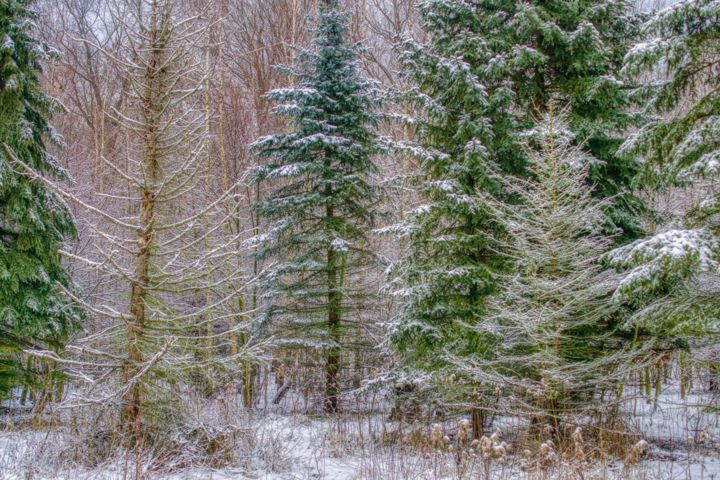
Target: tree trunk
{"points": [[714, 383], [151, 111], [132, 401], [248, 378], [478, 422], [332, 359]]}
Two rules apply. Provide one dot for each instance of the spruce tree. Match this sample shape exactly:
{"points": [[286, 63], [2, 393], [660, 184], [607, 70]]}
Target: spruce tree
{"points": [[535, 52], [320, 208], [672, 277], [553, 349], [34, 222], [487, 69], [448, 270]]}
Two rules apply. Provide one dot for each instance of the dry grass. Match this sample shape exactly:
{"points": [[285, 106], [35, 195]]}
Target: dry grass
{"points": [[670, 438]]}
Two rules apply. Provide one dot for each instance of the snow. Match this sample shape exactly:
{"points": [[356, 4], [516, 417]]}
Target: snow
{"points": [[678, 244], [26, 130], [632, 141], [7, 43], [321, 138], [646, 47], [475, 146], [287, 171], [551, 127], [456, 272], [585, 28], [298, 447], [496, 61], [444, 185], [32, 304], [710, 163], [43, 276], [613, 80], [56, 137], [709, 203], [340, 245], [705, 134], [413, 150], [286, 448], [675, 251], [294, 92], [262, 238], [400, 229]]}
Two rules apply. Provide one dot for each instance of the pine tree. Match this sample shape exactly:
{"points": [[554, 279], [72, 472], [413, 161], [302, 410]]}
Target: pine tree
{"points": [[321, 207], [487, 69], [553, 350], [34, 222], [672, 276], [535, 52], [448, 270]]}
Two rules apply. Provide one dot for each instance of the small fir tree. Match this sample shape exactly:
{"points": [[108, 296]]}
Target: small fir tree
{"points": [[34, 222], [553, 348], [321, 206]]}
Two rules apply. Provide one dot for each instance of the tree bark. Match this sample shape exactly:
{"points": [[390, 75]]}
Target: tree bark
{"points": [[151, 110], [332, 359]]}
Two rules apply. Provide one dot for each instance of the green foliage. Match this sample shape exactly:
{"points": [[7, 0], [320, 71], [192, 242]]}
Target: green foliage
{"points": [[449, 268], [679, 55], [488, 67], [320, 206], [12, 371], [527, 54], [672, 277], [554, 346], [33, 221]]}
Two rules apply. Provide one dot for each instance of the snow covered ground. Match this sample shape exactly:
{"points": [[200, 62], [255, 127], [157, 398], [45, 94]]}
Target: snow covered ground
{"points": [[683, 434]]}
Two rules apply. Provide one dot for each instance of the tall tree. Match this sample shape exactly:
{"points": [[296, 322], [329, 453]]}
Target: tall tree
{"points": [[34, 222], [448, 271], [172, 317], [672, 277], [321, 206], [554, 350], [535, 52], [487, 69]]}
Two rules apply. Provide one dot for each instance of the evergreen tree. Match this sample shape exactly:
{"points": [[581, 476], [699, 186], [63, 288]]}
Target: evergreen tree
{"points": [[553, 349], [33, 221], [321, 207], [672, 277], [535, 52], [488, 67], [448, 270]]}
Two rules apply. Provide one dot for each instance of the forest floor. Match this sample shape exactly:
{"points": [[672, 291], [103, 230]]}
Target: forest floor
{"points": [[683, 437]]}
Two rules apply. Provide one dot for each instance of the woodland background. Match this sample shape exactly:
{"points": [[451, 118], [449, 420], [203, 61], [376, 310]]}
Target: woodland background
{"points": [[213, 354]]}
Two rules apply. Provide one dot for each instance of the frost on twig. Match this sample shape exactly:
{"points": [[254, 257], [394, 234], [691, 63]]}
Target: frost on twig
{"points": [[167, 315]]}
